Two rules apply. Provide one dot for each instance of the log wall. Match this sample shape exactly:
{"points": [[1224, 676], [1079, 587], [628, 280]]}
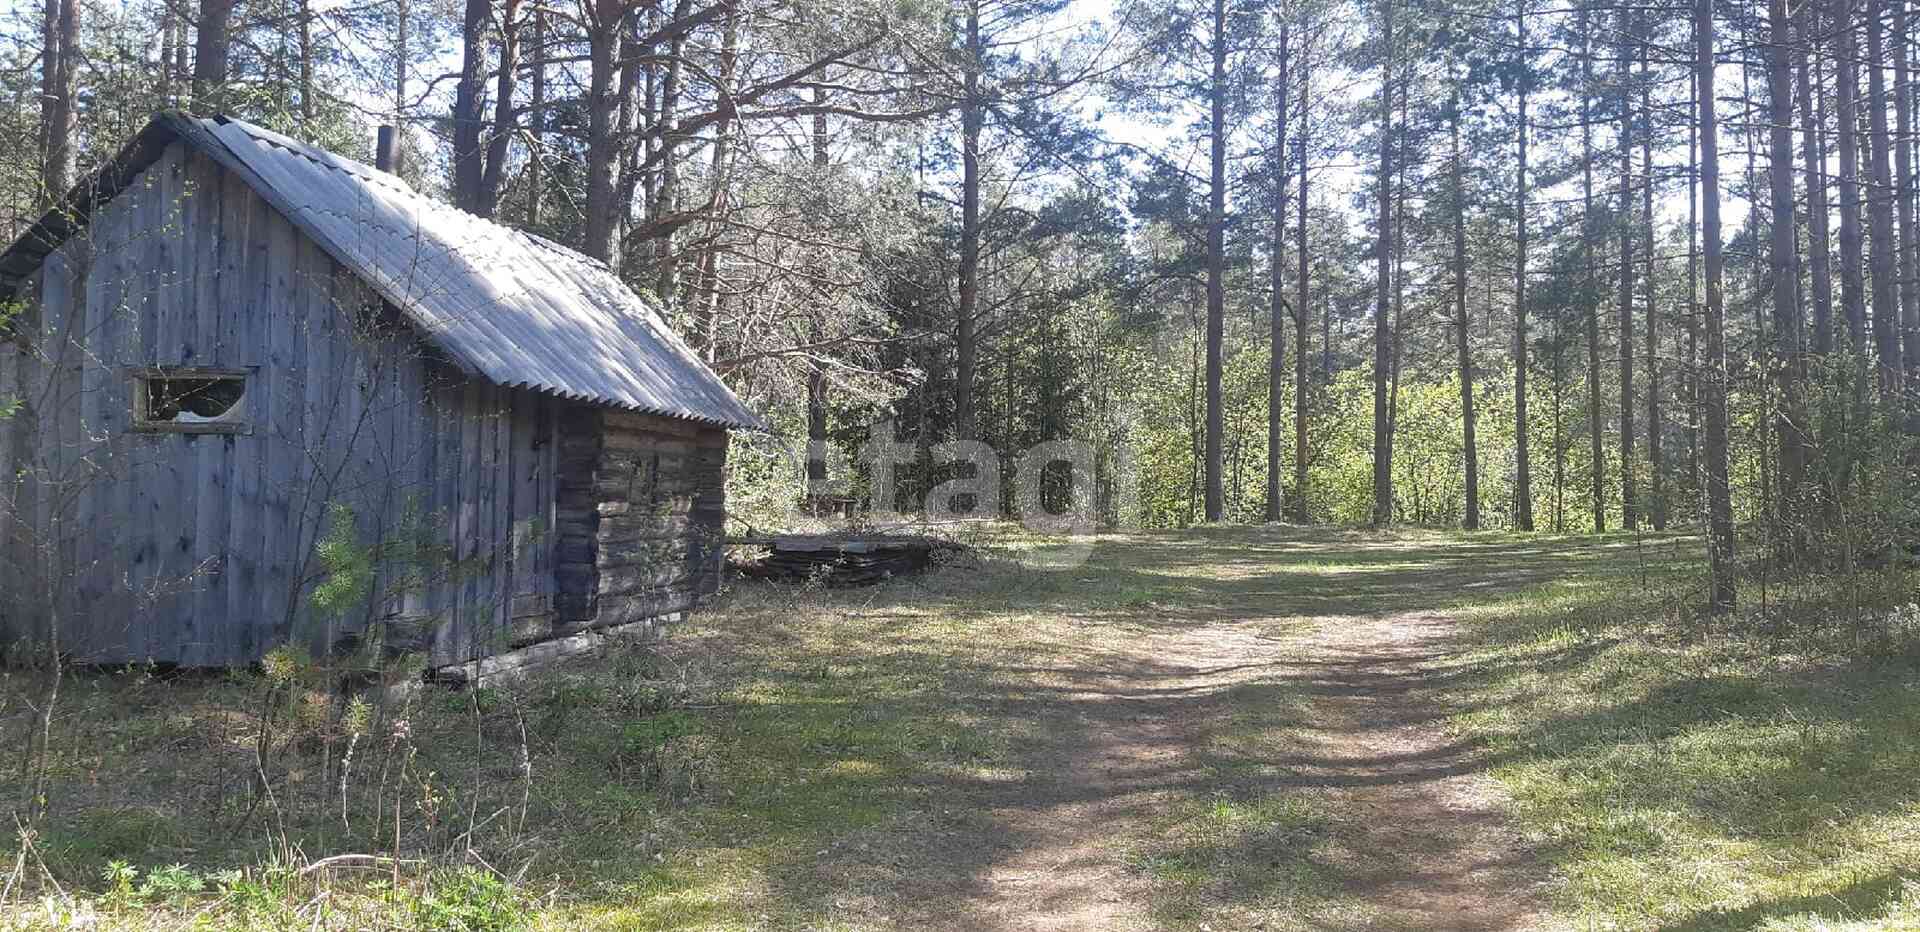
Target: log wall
{"points": [[641, 516]]}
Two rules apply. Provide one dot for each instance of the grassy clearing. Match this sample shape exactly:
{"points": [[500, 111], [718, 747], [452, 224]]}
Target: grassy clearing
{"points": [[1695, 774], [696, 785], [886, 757]]}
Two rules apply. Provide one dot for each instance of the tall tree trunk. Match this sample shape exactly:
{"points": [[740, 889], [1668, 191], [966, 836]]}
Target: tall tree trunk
{"points": [[1523, 468], [603, 29], [1196, 434], [1784, 268], [816, 371], [1589, 290], [1400, 188], [704, 295], [1656, 457], [468, 100], [1558, 379], [1277, 313], [169, 25], [1216, 261], [1383, 305], [1629, 499], [1693, 284], [1470, 451], [493, 178], [306, 65], [1720, 544], [966, 322], [59, 53], [1300, 314], [639, 103], [1852, 251], [181, 74], [537, 120], [666, 196], [639, 162], [1812, 128], [210, 56], [402, 55], [1886, 302], [1909, 242]]}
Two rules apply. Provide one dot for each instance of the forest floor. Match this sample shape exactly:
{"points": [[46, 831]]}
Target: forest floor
{"points": [[1274, 727]]}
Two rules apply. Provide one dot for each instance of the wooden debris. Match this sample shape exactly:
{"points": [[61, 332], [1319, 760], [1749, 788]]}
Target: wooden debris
{"points": [[518, 663], [842, 561]]}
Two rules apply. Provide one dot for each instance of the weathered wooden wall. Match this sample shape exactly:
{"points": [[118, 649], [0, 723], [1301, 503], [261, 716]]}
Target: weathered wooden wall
{"points": [[198, 548], [641, 516]]}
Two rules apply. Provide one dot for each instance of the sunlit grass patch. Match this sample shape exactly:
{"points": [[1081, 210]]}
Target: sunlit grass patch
{"points": [[809, 759], [1692, 774]]}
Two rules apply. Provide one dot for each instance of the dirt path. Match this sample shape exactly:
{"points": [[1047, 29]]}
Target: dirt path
{"points": [[1415, 837], [1414, 793]]}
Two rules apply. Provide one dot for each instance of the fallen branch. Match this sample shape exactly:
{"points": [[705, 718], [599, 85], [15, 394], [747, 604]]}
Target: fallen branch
{"points": [[352, 860]]}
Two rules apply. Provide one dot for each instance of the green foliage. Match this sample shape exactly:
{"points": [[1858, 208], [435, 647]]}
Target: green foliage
{"points": [[348, 564], [126, 886], [467, 899]]}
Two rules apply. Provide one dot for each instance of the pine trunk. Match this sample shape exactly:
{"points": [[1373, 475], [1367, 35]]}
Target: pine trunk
{"points": [[1720, 544], [1880, 201], [493, 176], [1589, 290], [1383, 304], [966, 338], [61, 36], [1216, 263], [1784, 269], [1852, 249], [1470, 454], [1656, 456], [603, 148], [467, 93], [1629, 499], [1813, 153], [1523, 468], [537, 119], [1301, 318], [1903, 168], [1277, 312], [211, 42]]}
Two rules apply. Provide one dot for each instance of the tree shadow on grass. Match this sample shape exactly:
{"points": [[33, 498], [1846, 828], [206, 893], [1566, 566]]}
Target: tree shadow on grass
{"points": [[1072, 697], [1864, 899], [1122, 737]]}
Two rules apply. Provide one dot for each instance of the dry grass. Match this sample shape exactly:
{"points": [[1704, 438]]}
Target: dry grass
{"points": [[1018, 733]]}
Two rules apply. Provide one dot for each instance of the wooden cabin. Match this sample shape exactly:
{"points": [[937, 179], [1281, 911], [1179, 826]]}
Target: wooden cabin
{"points": [[267, 395]]}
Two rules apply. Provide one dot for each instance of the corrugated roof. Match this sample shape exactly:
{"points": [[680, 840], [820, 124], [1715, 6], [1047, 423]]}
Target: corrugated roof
{"points": [[519, 310]]}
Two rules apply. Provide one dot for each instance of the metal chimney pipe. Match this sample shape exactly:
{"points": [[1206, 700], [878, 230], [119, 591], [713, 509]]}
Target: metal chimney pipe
{"points": [[386, 155]]}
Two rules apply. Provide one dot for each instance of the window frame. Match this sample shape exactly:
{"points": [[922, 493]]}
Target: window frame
{"points": [[139, 376]]}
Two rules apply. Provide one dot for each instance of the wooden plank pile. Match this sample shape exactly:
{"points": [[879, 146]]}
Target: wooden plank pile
{"points": [[842, 561]]}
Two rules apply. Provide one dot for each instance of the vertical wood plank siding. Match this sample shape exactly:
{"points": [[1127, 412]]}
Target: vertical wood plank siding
{"points": [[199, 549]]}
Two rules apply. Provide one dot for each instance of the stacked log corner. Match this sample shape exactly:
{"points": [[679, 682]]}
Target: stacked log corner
{"points": [[640, 517]]}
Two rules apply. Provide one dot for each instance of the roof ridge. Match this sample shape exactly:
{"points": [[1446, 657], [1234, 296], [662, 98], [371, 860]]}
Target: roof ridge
{"points": [[367, 172], [319, 155], [505, 304]]}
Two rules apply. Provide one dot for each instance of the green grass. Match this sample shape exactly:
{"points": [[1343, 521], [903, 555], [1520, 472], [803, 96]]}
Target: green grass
{"points": [[1687, 773], [858, 759]]}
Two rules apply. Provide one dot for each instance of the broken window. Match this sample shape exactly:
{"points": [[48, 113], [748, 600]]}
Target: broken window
{"points": [[202, 401]]}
